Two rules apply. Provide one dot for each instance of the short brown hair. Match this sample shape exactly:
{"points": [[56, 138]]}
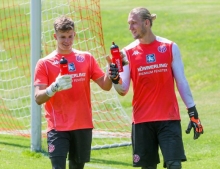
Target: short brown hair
{"points": [[144, 14], [63, 24]]}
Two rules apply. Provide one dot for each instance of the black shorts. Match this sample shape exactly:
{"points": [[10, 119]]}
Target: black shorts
{"points": [[76, 142], [148, 137]]}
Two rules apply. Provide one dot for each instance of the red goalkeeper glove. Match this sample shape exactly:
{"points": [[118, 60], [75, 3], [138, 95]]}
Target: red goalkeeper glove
{"points": [[194, 123]]}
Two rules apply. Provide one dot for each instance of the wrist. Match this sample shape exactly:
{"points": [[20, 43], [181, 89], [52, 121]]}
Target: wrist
{"points": [[51, 90], [116, 80], [193, 112]]}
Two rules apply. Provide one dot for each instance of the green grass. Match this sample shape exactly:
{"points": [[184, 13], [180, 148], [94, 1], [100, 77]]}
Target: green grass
{"points": [[194, 26]]}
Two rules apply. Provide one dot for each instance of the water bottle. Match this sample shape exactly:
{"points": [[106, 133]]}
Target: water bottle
{"points": [[116, 56], [64, 66]]}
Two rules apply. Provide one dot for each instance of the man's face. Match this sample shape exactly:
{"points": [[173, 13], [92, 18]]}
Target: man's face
{"points": [[64, 41], [136, 26]]}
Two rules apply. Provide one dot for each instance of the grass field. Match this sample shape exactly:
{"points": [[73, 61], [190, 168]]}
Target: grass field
{"points": [[194, 26]]}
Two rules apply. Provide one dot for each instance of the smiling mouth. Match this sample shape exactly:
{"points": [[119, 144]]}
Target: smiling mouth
{"points": [[133, 33], [66, 45]]}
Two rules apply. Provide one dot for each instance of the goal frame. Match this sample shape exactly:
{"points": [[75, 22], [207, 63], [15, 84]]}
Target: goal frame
{"points": [[35, 20]]}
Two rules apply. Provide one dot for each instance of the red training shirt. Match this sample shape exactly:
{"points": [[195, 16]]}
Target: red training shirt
{"points": [[153, 82], [69, 109]]}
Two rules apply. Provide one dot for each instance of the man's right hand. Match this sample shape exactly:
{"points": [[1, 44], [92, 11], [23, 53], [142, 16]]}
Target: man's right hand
{"points": [[113, 73], [62, 83]]}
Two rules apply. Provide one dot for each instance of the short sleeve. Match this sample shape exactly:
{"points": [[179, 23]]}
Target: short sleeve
{"points": [[40, 75], [96, 71]]}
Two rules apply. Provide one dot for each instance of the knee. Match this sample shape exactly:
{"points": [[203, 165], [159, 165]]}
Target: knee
{"points": [[58, 162], [173, 164]]}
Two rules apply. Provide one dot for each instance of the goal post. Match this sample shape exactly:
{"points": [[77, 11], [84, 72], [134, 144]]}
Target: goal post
{"points": [[26, 34], [35, 25]]}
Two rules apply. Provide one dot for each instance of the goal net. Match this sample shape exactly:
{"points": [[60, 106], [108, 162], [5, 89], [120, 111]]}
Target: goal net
{"points": [[112, 125]]}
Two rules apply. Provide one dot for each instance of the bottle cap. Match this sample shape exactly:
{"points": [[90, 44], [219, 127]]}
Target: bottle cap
{"points": [[63, 60], [114, 45]]}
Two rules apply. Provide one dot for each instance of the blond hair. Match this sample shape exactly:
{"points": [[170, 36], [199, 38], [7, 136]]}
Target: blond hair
{"points": [[144, 14]]}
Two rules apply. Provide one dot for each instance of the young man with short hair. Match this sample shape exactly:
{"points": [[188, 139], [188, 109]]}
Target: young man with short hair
{"points": [[67, 98]]}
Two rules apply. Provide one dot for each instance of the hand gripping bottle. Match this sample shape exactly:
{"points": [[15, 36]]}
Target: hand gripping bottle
{"points": [[63, 66], [116, 56]]}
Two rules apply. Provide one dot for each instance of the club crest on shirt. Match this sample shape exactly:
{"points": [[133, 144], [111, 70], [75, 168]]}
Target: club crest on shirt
{"points": [[162, 48], [71, 67], [150, 58], [80, 58]]}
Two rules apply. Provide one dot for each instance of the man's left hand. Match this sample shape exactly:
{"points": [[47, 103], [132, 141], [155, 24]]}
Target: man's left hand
{"points": [[113, 73], [194, 123]]}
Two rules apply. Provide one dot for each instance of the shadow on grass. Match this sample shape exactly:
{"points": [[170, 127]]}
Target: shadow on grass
{"points": [[23, 146], [14, 144], [111, 162]]}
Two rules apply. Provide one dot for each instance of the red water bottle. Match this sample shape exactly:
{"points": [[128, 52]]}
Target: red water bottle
{"points": [[116, 56], [63, 66]]}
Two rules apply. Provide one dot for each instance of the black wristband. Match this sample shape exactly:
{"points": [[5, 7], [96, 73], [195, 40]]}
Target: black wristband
{"points": [[115, 81], [193, 112]]}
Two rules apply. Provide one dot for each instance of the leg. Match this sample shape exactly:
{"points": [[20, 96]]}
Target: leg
{"points": [[173, 165], [170, 140], [80, 148], [58, 162], [58, 146], [145, 146], [74, 165], [150, 167]]}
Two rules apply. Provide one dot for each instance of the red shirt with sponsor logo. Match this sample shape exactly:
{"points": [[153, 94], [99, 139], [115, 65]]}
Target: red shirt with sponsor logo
{"points": [[154, 96], [69, 109]]}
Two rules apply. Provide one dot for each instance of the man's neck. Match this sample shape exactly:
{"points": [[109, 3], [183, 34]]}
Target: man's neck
{"points": [[64, 51], [148, 38]]}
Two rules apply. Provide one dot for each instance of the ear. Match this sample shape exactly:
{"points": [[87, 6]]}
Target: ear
{"points": [[147, 22], [55, 36]]}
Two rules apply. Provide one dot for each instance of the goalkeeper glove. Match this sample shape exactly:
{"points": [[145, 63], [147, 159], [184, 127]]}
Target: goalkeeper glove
{"points": [[194, 123], [62, 83], [113, 73]]}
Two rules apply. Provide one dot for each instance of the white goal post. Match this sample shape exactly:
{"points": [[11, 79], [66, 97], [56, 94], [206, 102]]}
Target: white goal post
{"points": [[35, 19], [26, 31]]}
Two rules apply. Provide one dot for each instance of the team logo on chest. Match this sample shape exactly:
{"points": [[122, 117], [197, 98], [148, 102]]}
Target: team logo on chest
{"points": [[135, 53], [80, 58], [56, 62], [162, 48], [150, 58], [71, 67]]}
